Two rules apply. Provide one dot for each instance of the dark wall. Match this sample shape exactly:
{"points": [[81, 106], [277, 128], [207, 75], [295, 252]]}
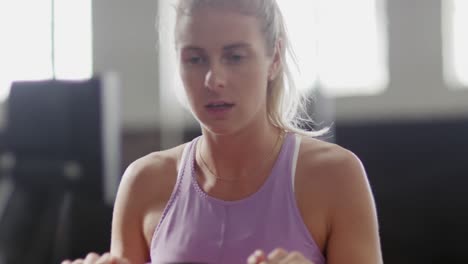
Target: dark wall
{"points": [[419, 175]]}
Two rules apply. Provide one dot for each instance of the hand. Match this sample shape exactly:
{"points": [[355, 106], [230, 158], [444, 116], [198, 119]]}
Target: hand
{"points": [[278, 256], [93, 258]]}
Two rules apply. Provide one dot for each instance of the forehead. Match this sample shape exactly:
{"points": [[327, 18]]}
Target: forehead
{"points": [[214, 28]]}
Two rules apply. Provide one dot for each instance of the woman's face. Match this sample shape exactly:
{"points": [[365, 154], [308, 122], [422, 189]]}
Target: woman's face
{"points": [[225, 68]]}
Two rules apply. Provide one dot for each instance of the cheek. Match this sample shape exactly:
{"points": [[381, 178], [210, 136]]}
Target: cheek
{"points": [[254, 79], [192, 80], [189, 76]]}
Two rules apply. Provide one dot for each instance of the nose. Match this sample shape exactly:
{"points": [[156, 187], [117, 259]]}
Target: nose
{"points": [[215, 78]]}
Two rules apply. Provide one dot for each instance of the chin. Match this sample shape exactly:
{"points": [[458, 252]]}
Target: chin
{"points": [[221, 130], [230, 125]]}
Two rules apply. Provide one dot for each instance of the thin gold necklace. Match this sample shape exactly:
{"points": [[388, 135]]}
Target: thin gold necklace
{"points": [[205, 165]]}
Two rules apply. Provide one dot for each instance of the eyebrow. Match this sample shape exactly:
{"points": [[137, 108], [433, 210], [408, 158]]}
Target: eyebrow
{"points": [[189, 47], [225, 48], [237, 45]]}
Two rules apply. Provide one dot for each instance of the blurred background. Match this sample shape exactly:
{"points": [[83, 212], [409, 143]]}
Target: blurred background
{"points": [[86, 87]]}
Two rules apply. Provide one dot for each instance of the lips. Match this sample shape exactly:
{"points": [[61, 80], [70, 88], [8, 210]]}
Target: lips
{"points": [[219, 105]]}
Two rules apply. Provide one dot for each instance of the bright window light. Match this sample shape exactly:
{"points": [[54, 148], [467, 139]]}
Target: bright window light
{"points": [[25, 49], [26, 46], [340, 44], [73, 39], [303, 40], [456, 43]]}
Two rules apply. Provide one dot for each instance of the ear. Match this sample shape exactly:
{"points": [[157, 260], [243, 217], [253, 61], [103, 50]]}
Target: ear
{"points": [[277, 61]]}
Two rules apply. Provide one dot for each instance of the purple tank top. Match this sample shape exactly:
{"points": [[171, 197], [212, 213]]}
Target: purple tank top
{"points": [[198, 228]]}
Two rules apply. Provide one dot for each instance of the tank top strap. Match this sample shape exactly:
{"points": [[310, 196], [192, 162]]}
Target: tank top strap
{"points": [[287, 160], [186, 170], [295, 156]]}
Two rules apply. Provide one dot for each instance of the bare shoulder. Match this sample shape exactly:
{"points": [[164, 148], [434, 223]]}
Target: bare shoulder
{"points": [[336, 201], [155, 170], [335, 174], [149, 181], [144, 190], [331, 164], [324, 173]]}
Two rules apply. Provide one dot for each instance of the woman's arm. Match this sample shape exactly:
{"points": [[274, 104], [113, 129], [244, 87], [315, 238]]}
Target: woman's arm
{"points": [[142, 196], [127, 221], [354, 234]]}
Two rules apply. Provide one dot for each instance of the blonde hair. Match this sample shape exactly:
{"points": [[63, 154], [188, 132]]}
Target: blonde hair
{"points": [[286, 104]]}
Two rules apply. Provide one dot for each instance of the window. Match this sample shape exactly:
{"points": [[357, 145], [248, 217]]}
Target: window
{"points": [[456, 42], [41, 42], [340, 45], [73, 39]]}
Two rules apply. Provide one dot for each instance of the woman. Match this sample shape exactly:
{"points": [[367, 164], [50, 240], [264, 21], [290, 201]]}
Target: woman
{"points": [[254, 187]]}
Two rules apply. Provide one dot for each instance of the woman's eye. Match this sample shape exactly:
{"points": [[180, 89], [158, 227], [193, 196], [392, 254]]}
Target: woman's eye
{"points": [[194, 60], [235, 58]]}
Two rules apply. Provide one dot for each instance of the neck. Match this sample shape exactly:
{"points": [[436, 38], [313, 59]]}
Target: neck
{"points": [[240, 155]]}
